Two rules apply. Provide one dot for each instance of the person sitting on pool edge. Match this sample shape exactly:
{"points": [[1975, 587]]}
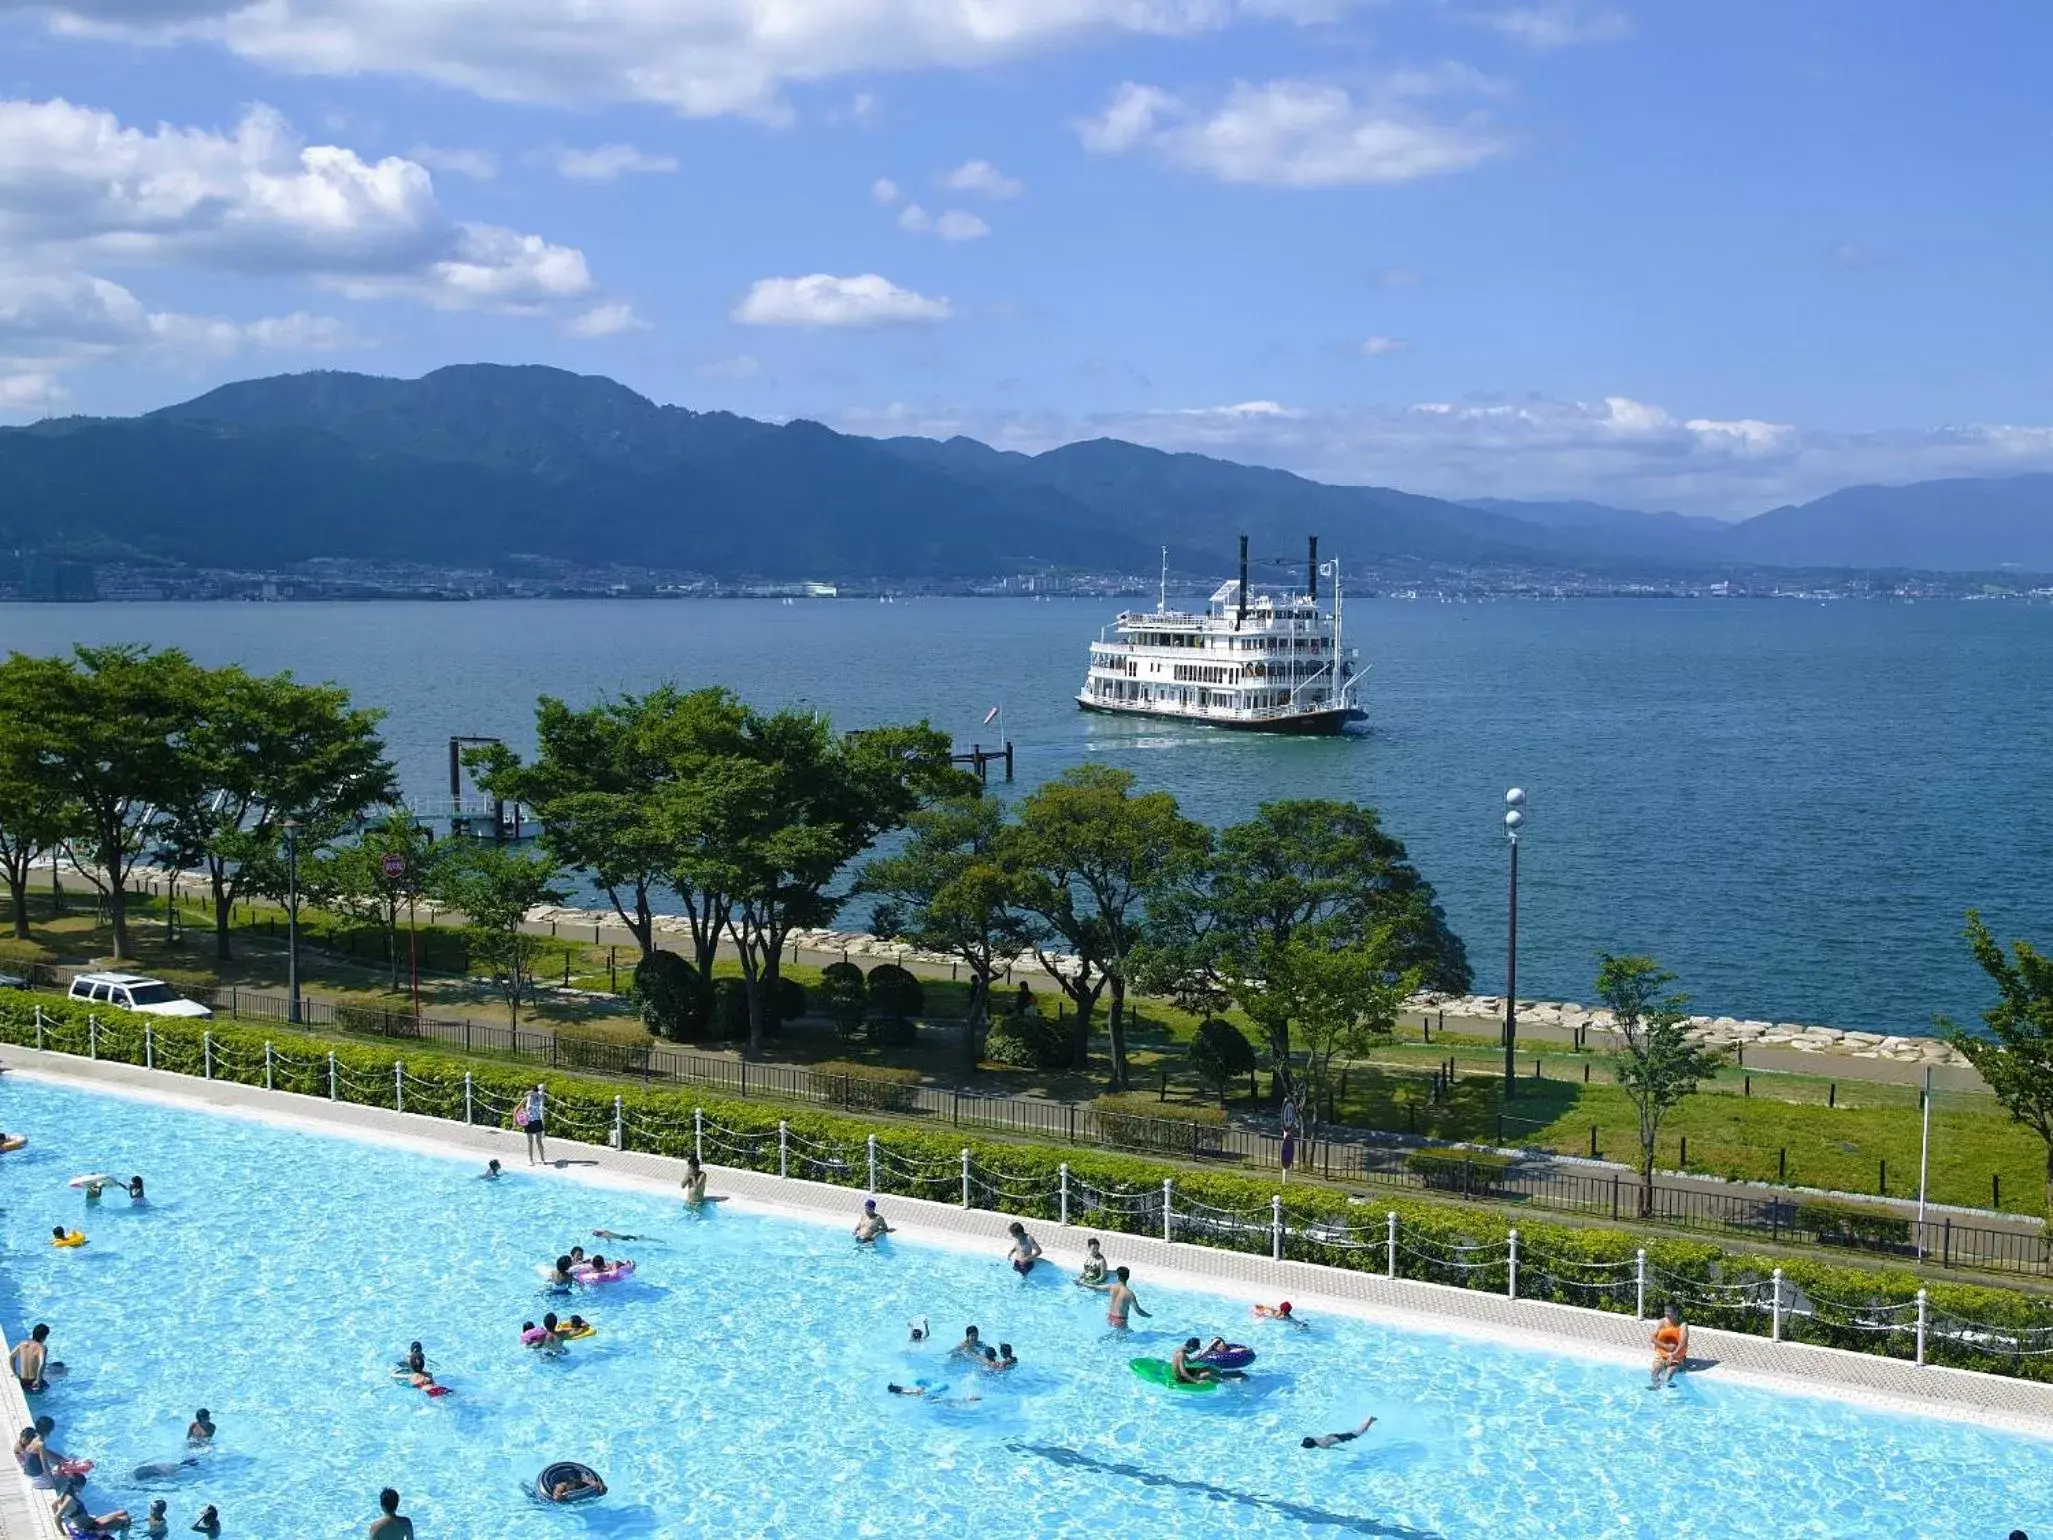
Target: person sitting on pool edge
{"points": [[1328, 1440], [208, 1523], [578, 1484], [74, 1518], [390, 1524], [1671, 1348], [200, 1431], [871, 1225], [1025, 1252]]}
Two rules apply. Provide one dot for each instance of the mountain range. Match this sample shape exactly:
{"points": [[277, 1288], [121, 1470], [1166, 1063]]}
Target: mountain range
{"points": [[475, 464]]}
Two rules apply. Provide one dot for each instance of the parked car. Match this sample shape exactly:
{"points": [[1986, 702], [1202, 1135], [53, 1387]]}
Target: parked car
{"points": [[13, 981], [133, 992]]}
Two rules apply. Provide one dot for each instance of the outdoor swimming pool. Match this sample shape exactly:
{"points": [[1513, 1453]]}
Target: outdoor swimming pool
{"points": [[737, 1383]]}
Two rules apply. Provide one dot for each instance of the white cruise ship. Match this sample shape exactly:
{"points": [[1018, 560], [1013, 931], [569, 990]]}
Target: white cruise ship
{"points": [[1259, 661]]}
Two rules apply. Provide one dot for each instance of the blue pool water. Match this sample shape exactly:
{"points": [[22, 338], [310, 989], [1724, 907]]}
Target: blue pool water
{"points": [[737, 1384]]}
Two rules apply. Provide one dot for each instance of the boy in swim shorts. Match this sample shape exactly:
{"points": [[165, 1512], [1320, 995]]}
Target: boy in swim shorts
{"points": [[1119, 1299]]}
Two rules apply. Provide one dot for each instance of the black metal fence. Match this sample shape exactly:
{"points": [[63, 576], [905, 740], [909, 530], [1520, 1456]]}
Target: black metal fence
{"points": [[1383, 1161]]}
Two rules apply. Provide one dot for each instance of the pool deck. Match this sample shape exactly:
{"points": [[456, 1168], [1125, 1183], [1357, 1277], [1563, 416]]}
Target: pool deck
{"points": [[2016, 1405]]}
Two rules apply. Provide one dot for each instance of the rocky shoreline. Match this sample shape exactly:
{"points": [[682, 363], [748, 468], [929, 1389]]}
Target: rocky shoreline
{"points": [[1717, 1031]]}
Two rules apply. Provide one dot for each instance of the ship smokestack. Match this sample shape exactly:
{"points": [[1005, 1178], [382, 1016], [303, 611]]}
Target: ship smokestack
{"points": [[1241, 618], [1312, 571]]}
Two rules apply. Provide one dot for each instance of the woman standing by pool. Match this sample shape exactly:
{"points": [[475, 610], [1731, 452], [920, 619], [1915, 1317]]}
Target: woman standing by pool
{"points": [[533, 1112]]}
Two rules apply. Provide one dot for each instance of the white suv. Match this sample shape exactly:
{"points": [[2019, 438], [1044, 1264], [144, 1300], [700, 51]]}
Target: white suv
{"points": [[132, 992]]}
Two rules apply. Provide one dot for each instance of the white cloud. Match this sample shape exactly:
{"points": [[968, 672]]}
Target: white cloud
{"points": [[915, 219], [884, 190], [478, 165], [1382, 347], [1299, 133], [608, 163], [743, 366], [950, 224], [1614, 450], [980, 176], [606, 321], [30, 395], [700, 57], [1555, 23], [77, 188], [820, 299]]}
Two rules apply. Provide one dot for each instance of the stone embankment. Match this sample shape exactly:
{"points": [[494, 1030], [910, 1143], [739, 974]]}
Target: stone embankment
{"points": [[1717, 1031]]}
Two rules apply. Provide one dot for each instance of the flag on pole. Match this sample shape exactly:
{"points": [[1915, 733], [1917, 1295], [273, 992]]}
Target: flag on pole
{"points": [[991, 715], [1325, 569]]}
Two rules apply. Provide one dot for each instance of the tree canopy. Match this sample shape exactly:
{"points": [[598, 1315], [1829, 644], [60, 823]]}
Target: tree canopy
{"points": [[2014, 1051]]}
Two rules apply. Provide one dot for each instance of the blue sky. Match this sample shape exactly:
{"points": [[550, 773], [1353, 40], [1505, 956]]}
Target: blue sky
{"points": [[1709, 256]]}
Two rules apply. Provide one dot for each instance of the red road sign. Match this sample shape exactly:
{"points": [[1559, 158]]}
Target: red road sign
{"points": [[393, 864]]}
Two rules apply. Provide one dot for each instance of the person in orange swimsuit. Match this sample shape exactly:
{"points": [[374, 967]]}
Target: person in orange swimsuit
{"points": [[1671, 1348]]}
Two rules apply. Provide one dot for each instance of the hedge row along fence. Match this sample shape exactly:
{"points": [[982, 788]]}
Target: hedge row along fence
{"points": [[1891, 1313]]}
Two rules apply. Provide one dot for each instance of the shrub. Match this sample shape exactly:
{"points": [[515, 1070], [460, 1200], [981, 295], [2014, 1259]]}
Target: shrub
{"points": [[1849, 1224], [1028, 1040], [871, 1086], [896, 992], [730, 1009], [375, 1020], [1220, 1053], [1470, 1172], [844, 996], [669, 998], [1138, 1122], [791, 999], [892, 1031], [581, 1050]]}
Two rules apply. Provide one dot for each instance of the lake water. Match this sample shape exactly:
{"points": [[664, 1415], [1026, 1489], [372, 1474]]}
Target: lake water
{"points": [[1791, 805]]}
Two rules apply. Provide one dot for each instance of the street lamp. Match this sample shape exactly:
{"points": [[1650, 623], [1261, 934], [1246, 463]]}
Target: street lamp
{"points": [[292, 919], [1514, 820]]}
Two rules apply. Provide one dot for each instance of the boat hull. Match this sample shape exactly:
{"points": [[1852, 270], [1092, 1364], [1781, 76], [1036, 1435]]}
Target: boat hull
{"points": [[1324, 723]]}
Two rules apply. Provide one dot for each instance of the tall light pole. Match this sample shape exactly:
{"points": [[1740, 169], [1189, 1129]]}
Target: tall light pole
{"points": [[292, 919], [1514, 820]]}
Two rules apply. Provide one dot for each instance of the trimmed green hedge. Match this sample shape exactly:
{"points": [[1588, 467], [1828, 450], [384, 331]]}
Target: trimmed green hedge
{"points": [[1825, 1302], [1472, 1173], [1135, 1121], [1852, 1223], [872, 1085]]}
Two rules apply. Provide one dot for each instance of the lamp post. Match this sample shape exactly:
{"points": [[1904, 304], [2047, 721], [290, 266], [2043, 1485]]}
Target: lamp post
{"points": [[1514, 820], [292, 919]]}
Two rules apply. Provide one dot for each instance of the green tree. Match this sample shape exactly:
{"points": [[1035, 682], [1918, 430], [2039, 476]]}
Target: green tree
{"points": [[1324, 874], [1220, 1054], [1656, 1065], [670, 997], [2013, 1052], [112, 743], [844, 997], [270, 750], [1085, 854], [804, 803], [33, 821], [353, 877], [610, 785], [948, 889], [494, 888], [1344, 1000]]}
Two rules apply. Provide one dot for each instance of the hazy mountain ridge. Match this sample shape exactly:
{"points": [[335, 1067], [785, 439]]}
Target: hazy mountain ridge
{"points": [[472, 463]]}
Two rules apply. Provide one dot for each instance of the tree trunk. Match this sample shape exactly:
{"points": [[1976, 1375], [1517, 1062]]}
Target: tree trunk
{"points": [[2049, 1178], [224, 909], [641, 921], [1080, 1041], [18, 902], [976, 1025], [1647, 1181], [117, 912], [1115, 1032]]}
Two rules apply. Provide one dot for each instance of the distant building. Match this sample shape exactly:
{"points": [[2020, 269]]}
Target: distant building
{"points": [[49, 581]]}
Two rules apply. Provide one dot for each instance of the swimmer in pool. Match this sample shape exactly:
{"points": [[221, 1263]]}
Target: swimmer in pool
{"points": [[1188, 1373], [390, 1524], [1025, 1252], [1280, 1312], [31, 1360], [135, 1190], [578, 1484], [75, 1519], [577, 1256], [1329, 1440], [617, 1235], [490, 1173], [95, 1190], [208, 1523], [59, 1236], [1094, 1265], [156, 1526], [871, 1225], [920, 1330], [1005, 1359], [695, 1184], [971, 1346], [200, 1431], [559, 1273], [1119, 1298]]}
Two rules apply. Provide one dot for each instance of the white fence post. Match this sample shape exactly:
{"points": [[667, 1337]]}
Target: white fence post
{"points": [[1511, 1278], [334, 1089], [399, 1085], [92, 1035], [1775, 1317], [1065, 1191], [1276, 1228], [1168, 1194], [783, 1148], [965, 1178], [619, 1123], [207, 1055], [1923, 1316], [39, 1029], [149, 1047], [698, 1133], [269, 1082], [871, 1143], [1639, 1290], [1390, 1248]]}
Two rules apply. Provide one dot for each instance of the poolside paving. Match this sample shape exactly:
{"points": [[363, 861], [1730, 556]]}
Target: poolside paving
{"points": [[2019, 1405]]}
